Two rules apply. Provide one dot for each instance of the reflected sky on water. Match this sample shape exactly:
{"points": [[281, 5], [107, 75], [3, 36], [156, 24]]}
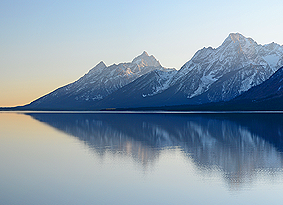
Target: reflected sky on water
{"points": [[240, 146], [142, 158]]}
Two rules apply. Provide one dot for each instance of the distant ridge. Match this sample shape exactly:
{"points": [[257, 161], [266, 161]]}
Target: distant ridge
{"points": [[212, 79], [98, 83], [212, 75]]}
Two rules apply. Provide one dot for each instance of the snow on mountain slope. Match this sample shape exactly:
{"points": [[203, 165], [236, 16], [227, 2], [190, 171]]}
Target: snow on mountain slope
{"points": [[212, 75], [225, 72], [139, 92], [271, 88], [99, 82], [157, 83]]}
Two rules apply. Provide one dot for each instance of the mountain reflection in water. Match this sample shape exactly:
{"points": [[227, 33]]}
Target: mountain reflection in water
{"points": [[238, 145]]}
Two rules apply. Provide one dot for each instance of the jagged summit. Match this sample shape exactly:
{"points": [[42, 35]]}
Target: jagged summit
{"points": [[223, 73], [236, 37], [145, 60], [212, 75], [141, 56], [99, 66], [240, 41], [98, 83], [144, 53]]}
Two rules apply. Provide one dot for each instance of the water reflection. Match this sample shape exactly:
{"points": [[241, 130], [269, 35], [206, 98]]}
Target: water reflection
{"points": [[240, 146]]}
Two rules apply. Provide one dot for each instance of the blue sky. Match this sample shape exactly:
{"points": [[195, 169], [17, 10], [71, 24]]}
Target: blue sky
{"points": [[47, 44]]}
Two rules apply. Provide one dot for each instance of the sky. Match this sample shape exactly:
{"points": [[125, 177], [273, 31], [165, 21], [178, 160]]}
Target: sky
{"points": [[47, 44]]}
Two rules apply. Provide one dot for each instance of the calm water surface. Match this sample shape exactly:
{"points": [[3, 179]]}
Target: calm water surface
{"points": [[91, 158]]}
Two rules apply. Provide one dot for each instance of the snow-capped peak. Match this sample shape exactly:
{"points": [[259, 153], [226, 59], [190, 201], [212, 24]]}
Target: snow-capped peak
{"points": [[99, 66], [236, 37], [230, 69], [144, 53], [145, 60]]}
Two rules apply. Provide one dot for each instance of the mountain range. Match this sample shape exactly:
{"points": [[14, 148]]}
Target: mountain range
{"points": [[98, 83], [223, 74]]}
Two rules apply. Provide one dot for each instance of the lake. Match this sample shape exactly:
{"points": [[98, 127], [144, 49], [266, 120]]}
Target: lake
{"points": [[141, 158]]}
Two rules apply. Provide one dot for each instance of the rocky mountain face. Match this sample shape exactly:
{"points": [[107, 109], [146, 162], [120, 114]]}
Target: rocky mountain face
{"points": [[267, 96], [98, 83], [140, 92], [212, 75], [268, 90], [223, 73]]}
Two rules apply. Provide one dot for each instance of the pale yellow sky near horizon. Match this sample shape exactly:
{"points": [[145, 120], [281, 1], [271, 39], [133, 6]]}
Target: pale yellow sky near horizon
{"points": [[48, 44]]}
